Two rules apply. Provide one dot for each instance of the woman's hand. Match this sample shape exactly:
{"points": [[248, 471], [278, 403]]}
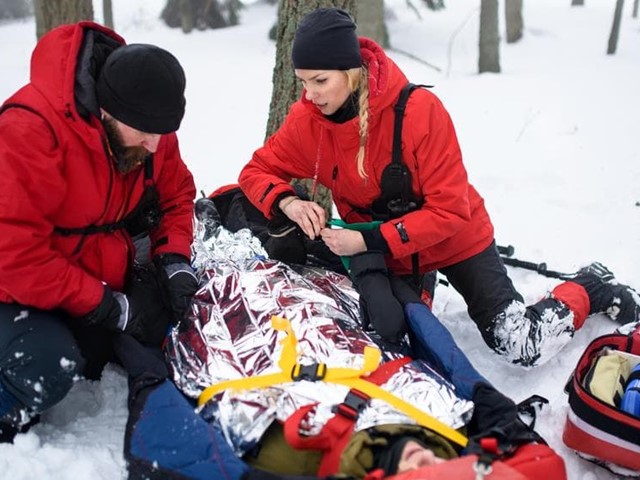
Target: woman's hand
{"points": [[308, 215], [343, 242]]}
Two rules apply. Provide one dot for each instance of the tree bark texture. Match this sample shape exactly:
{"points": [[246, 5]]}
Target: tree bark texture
{"points": [[489, 58], [615, 28], [286, 88], [513, 20], [371, 21], [107, 13], [53, 13]]}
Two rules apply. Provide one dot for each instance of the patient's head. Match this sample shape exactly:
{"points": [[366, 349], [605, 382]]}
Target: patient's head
{"points": [[404, 454]]}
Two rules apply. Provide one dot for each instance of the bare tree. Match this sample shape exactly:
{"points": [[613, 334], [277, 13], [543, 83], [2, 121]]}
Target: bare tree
{"points": [[286, 89], [371, 21], [513, 20], [578, 3], [15, 9], [107, 13], [52, 13], [201, 14], [635, 8], [489, 58], [615, 28]]}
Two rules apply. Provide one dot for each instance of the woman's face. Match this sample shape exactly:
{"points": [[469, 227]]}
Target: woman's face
{"points": [[415, 456], [326, 89]]}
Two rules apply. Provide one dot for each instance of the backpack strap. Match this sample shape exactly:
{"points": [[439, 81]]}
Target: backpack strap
{"points": [[148, 201], [396, 158]]}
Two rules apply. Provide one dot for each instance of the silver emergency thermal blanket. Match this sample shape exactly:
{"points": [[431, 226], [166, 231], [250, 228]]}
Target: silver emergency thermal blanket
{"points": [[229, 335]]}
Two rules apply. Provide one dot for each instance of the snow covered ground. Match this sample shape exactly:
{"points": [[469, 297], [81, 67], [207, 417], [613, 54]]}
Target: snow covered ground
{"points": [[551, 143]]}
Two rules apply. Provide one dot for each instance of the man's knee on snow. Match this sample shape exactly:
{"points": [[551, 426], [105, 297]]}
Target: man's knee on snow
{"points": [[40, 365]]}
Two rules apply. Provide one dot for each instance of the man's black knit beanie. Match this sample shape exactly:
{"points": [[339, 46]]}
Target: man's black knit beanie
{"points": [[143, 86], [326, 40]]}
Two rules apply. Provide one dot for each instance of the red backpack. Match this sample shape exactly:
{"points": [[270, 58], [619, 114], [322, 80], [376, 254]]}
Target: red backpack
{"points": [[597, 430]]}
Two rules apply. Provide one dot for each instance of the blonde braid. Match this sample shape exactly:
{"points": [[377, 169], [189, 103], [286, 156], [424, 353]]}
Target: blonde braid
{"points": [[359, 79]]}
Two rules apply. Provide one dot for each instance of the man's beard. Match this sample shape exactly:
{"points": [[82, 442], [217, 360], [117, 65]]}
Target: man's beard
{"points": [[127, 158]]}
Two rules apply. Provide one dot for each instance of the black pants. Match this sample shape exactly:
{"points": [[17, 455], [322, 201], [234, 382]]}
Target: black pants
{"points": [[41, 353], [526, 335]]}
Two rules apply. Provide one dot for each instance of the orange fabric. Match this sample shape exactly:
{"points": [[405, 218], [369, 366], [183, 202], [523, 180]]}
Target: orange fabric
{"points": [[452, 225], [575, 297]]}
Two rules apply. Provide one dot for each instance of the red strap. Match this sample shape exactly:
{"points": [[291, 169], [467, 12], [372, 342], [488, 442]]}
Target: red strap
{"points": [[337, 432], [292, 435], [385, 371]]}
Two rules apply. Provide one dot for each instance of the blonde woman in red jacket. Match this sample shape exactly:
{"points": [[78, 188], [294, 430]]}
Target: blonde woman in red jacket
{"points": [[340, 135]]}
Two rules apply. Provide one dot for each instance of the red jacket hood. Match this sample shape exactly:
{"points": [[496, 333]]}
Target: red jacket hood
{"points": [[55, 59], [385, 80]]}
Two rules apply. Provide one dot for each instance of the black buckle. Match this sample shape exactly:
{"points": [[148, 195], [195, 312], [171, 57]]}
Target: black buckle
{"points": [[311, 373], [354, 403]]}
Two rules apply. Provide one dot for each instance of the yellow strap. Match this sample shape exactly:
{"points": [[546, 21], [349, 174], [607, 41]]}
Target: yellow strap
{"points": [[350, 377]]}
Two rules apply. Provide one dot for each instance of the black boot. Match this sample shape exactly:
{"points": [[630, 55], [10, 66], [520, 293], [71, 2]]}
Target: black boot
{"points": [[606, 295], [383, 310]]}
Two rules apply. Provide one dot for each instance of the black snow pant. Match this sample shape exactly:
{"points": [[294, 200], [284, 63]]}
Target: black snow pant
{"points": [[525, 335], [41, 352]]}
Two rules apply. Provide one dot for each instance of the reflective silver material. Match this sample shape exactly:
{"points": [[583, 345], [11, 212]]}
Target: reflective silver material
{"points": [[229, 336]]}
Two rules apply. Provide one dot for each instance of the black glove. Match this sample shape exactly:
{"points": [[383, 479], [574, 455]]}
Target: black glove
{"points": [[141, 313], [179, 282], [491, 409]]}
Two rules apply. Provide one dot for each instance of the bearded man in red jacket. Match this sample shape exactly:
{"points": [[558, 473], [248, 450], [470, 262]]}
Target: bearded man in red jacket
{"points": [[90, 165]]}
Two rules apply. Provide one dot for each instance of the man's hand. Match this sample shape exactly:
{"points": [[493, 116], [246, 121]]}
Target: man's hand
{"points": [[308, 215], [343, 242], [140, 314], [179, 281]]}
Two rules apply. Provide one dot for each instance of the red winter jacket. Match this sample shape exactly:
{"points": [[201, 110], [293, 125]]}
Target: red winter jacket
{"points": [[56, 172], [452, 224]]}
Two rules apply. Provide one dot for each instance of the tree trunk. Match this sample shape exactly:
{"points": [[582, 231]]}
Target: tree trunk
{"points": [[52, 13], [579, 3], [286, 89], [371, 21], [107, 13], [615, 28], [489, 58], [187, 15], [200, 14], [513, 20], [635, 8]]}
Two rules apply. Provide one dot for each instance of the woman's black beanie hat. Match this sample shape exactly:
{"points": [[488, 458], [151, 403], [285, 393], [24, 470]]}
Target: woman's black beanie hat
{"points": [[326, 40]]}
